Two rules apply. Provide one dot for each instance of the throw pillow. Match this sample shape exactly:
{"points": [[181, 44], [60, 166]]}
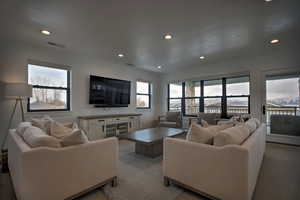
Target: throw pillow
{"points": [[22, 128], [59, 130], [44, 123], [199, 134], [204, 123], [256, 121], [235, 135], [75, 138], [251, 124], [36, 137]]}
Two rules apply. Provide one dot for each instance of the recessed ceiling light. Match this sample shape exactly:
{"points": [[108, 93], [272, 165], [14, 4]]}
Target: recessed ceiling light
{"points": [[45, 32], [202, 57], [159, 67], [121, 55], [268, 0], [274, 41], [168, 37]]}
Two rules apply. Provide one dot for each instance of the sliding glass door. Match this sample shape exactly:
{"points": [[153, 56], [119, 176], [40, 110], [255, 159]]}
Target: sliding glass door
{"points": [[281, 110]]}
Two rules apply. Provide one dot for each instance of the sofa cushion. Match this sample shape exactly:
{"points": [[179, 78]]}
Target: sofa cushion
{"points": [[36, 137], [43, 123], [59, 130], [234, 135], [200, 134], [173, 116], [251, 124], [22, 127], [75, 138]]}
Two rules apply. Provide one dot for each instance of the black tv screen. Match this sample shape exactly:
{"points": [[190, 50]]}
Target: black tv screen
{"points": [[108, 92]]}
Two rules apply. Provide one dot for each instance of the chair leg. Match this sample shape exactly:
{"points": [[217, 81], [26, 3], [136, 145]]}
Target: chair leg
{"points": [[166, 181], [114, 182]]}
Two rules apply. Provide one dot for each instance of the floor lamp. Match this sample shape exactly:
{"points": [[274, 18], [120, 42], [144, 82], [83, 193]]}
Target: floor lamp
{"points": [[17, 92]]}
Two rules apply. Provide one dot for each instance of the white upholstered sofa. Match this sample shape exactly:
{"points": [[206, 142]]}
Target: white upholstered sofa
{"points": [[44, 173], [229, 172]]}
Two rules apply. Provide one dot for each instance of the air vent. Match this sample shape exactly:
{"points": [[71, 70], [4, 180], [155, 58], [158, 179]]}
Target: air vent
{"points": [[130, 64], [56, 45]]}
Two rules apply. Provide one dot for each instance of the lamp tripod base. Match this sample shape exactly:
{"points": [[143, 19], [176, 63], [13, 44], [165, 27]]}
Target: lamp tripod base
{"points": [[4, 160]]}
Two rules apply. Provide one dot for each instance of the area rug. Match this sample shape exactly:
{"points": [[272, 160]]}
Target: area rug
{"points": [[140, 178]]}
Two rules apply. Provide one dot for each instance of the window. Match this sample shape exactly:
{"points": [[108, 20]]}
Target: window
{"points": [[192, 97], [175, 96], [51, 88], [224, 95], [143, 94], [213, 96], [237, 94]]}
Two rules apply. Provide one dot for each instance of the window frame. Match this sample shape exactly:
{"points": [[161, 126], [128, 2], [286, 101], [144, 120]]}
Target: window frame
{"points": [[67, 89], [144, 94]]}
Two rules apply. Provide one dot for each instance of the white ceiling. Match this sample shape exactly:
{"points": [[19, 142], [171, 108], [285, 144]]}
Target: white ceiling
{"points": [[217, 29]]}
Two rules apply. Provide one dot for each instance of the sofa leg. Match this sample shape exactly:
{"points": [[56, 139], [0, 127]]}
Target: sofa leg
{"points": [[166, 181], [114, 182]]}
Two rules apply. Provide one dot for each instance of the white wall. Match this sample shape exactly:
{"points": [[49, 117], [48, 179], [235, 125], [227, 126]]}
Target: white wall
{"points": [[14, 69], [281, 60]]}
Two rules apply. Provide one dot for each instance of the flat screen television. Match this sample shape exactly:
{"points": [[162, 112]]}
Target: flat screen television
{"points": [[108, 92]]}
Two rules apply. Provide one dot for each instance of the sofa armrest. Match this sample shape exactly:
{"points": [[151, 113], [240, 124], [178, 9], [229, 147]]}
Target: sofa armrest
{"points": [[68, 170], [218, 171]]}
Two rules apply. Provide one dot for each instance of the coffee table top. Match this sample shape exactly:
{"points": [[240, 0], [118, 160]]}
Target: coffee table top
{"points": [[151, 135]]}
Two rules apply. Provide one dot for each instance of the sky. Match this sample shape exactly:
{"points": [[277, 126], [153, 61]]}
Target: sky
{"points": [[282, 88]]}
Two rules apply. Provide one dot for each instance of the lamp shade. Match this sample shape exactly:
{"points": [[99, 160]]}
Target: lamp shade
{"points": [[18, 90]]}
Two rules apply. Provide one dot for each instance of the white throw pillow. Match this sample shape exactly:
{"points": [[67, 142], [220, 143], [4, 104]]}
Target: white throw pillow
{"points": [[22, 128], [59, 130], [235, 135], [251, 124], [199, 134], [44, 123], [36, 137], [75, 138]]}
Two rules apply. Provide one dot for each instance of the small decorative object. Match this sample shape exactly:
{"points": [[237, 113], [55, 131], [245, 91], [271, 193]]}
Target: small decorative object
{"points": [[17, 92]]}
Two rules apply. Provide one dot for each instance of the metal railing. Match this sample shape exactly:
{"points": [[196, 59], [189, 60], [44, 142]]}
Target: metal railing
{"points": [[284, 110]]}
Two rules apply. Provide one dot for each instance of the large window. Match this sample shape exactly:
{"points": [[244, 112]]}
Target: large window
{"points": [[143, 95], [175, 96], [51, 88], [225, 95]]}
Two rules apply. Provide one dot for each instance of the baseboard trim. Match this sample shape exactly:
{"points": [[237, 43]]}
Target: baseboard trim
{"points": [[281, 143]]}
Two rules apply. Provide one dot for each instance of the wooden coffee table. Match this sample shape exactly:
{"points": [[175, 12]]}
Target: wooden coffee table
{"points": [[149, 142]]}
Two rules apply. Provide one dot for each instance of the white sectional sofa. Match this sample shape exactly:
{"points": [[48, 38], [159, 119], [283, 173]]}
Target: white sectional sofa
{"points": [[44, 173], [229, 172]]}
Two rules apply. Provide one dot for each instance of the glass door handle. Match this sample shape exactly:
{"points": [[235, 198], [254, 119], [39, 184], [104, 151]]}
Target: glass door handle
{"points": [[264, 109]]}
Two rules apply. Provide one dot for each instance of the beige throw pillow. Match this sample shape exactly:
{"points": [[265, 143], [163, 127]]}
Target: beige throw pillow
{"points": [[59, 130], [204, 123], [235, 135], [75, 138], [199, 134], [36, 137]]}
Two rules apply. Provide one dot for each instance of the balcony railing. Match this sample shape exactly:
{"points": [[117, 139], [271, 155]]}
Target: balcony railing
{"points": [[193, 110], [284, 110]]}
